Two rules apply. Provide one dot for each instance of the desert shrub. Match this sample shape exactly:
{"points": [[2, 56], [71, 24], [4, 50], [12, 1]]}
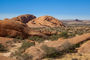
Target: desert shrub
{"points": [[54, 37], [16, 37], [27, 57], [26, 45], [73, 49], [2, 48], [16, 53], [9, 42], [19, 37], [64, 34], [20, 56], [36, 38], [50, 51], [15, 40], [71, 35], [80, 33]]}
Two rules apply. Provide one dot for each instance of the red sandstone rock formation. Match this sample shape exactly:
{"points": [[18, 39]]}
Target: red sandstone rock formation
{"points": [[13, 29], [24, 18], [45, 21]]}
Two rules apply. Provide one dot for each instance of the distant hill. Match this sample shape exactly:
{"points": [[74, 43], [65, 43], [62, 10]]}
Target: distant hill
{"points": [[76, 21]]}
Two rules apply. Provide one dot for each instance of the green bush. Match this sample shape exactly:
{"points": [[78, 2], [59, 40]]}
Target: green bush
{"points": [[64, 34], [36, 38], [2, 48], [50, 51], [20, 56], [27, 57], [54, 37], [26, 45], [72, 35]]}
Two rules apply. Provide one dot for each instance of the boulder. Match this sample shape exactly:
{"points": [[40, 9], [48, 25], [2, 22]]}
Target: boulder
{"points": [[13, 29], [45, 21], [24, 18]]}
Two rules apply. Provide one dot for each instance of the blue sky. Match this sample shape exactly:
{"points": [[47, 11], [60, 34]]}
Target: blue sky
{"points": [[61, 9]]}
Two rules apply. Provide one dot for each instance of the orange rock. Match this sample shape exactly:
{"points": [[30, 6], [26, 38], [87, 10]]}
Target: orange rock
{"points": [[45, 21], [13, 29], [85, 48], [24, 18]]}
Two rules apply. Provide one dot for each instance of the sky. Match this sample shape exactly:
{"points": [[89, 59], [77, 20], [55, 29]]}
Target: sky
{"points": [[61, 9]]}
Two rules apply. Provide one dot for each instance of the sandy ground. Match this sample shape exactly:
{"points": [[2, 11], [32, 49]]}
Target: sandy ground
{"points": [[5, 58], [13, 49]]}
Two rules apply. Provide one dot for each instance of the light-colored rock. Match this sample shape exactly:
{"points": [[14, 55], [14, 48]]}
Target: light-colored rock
{"points": [[5, 58], [59, 45], [85, 48]]}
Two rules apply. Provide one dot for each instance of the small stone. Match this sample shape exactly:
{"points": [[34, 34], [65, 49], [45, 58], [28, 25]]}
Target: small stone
{"points": [[80, 54]]}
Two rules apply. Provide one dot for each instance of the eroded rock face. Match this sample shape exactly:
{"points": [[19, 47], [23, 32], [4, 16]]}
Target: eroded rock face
{"points": [[45, 21], [85, 48], [60, 45], [37, 52], [24, 18], [13, 29]]}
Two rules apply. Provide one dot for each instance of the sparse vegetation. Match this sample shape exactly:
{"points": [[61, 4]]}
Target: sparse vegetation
{"points": [[50, 51], [54, 37], [16, 40], [36, 38], [26, 45], [52, 34], [20, 56], [19, 37], [2, 48], [64, 34], [70, 30]]}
